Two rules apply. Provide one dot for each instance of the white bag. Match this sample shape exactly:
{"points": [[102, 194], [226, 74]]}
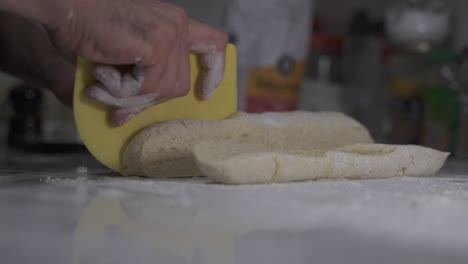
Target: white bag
{"points": [[272, 37]]}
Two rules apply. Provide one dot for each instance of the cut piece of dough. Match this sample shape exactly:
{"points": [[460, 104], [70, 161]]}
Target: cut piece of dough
{"points": [[165, 149], [240, 163]]}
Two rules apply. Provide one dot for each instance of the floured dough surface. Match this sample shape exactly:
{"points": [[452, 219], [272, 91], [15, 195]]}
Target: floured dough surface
{"points": [[238, 163], [165, 149], [273, 147]]}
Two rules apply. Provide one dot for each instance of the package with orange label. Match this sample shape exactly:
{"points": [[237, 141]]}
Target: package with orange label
{"points": [[272, 39]]}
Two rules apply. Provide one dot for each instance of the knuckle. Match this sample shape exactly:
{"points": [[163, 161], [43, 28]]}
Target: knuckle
{"points": [[181, 24], [180, 14], [219, 38], [222, 38], [170, 33]]}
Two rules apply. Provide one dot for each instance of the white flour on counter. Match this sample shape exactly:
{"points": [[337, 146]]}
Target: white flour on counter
{"points": [[429, 210], [398, 220]]}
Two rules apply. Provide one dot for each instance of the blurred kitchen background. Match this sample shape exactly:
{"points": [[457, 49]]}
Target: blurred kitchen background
{"points": [[399, 67]]}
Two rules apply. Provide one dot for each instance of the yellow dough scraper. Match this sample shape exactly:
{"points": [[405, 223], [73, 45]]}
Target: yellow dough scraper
{"points": [[107, 142]]}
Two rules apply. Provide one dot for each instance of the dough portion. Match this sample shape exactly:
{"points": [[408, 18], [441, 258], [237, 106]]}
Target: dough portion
{"points": [[165, 149], [240, 163], [273, 147]]}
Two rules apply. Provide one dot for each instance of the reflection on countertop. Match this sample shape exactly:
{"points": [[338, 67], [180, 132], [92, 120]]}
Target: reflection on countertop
{"points": [[79, 212]]}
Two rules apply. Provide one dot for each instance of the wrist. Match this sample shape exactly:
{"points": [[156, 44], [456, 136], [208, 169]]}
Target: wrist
{"points": [[49, 13], [27, 52]]}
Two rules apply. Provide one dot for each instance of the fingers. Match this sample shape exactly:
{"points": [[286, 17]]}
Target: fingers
{"points": [[109, 77], [121, 92], [100, 94], [119, 86], [175, 83], [161, 58], [121, 116], [123, 109], [169, 77], [132, 82], [212, 63], [182, 85], [210, 44], [138, 73]]}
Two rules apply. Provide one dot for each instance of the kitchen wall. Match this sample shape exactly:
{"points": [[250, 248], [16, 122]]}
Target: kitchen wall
{"points": [[335, 16], [207, 11]]}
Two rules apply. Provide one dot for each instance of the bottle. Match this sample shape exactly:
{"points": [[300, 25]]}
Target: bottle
{"points": [[364, 94], [405, 74], [462, 146], [25, 123], [321, 90], [440, 101]]}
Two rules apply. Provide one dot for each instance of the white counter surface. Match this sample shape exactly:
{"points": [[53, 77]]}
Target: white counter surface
{"points": [[74, 214]]}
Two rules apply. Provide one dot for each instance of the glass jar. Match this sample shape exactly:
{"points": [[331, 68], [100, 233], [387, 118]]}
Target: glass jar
{"points": [[418, 24]]}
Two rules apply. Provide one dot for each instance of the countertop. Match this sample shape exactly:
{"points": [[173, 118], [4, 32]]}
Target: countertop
{"points": [[71, 210]]}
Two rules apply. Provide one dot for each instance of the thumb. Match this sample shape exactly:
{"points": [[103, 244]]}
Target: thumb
{"points": [[210, 43]]}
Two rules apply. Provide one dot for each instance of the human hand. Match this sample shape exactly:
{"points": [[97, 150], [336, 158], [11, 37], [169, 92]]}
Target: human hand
{"points": [[155, 37]]}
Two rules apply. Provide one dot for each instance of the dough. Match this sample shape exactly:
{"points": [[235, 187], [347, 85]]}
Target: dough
{"points": [[240, 163], [273, 147], [165, 149]]}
